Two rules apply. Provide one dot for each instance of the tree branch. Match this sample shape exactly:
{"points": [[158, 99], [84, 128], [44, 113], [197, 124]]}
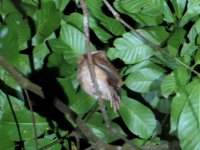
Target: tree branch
{"points": [[90, 62]]}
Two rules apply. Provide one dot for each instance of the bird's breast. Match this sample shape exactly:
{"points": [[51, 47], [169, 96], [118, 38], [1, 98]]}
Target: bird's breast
{"points": [[87, 84]]}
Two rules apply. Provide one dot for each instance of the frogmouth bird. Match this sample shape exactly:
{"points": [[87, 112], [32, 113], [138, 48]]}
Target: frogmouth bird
{"points": [[108, 80]]}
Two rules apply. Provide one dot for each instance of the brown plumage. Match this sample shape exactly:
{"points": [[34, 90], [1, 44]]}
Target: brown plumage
{"points": [[108, 80]]}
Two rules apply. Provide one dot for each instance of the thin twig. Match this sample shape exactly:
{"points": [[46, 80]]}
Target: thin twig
{"points": [[33, 118], [90, 62], [145, 40]]}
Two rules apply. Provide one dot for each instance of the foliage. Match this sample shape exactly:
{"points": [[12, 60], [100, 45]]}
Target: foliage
{"points": [[43, 40]]}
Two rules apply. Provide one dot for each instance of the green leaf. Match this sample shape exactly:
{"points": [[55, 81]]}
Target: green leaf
{"points": [[188, 125], [177, 106], [156, 34], [194, 31], [74, 39], [179, 6], [151, 7], [187, 52], [6, 144], [62, 51], [96, 119], [57, 45], [182, 76], [143, 80], [132, 6], [47, 20], [70, 71], [101, 34], [197, 57], [8, 43], [152, 98], [175, 41], [179, 101], [30, 7], [76, 20], [20, 26], [61, 4], [133, 50], [62, 57], [143, 19], [130, 49], [68, 88], [168, 85], [112, 25], [101, 131], [164, 105], [198, 40], [24, 121], [138, 118], [30, 2], [83, 103], [22, 63], [8, 80], [170, 62], [30, 144], [144, 64], [9, 49], [79, 102], [156, 101], [193, 10], [1, 109], [99, 128], [40, 52], [55, 60], [6, 7]]}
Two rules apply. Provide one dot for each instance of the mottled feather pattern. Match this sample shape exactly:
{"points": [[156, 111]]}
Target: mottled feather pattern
{"points": [[108, 80]]}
